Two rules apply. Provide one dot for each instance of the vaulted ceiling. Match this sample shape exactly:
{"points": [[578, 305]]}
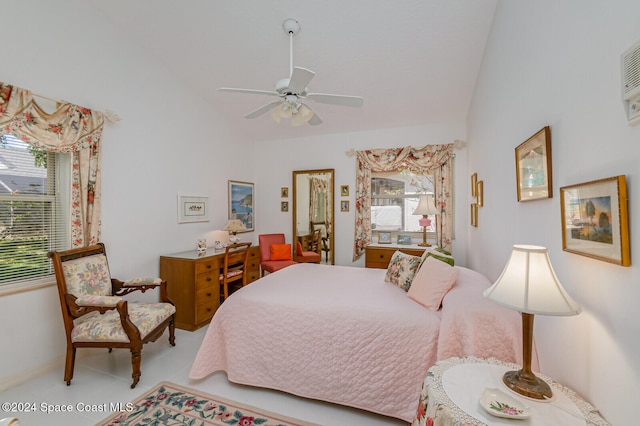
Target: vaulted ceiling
{"points": [[413, 61]]}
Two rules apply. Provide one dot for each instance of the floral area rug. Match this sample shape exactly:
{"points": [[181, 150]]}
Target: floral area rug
{"points": [[171, 404]]}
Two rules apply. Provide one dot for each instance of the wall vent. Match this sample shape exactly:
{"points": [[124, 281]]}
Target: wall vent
{"points": [[631, 83]]}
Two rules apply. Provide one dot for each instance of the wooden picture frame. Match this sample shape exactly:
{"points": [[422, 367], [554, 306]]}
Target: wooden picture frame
{"points": [[480, 193], [533, 167], [344, 205], [595, 222], [284, 192], [193, 209], [241, 203], [384, 237], [474, 215], [344, 190], [284, 206], [474, 184]]}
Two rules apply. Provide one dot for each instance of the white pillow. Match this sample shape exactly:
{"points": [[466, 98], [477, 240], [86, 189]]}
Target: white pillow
{"points": [[432, 281]]}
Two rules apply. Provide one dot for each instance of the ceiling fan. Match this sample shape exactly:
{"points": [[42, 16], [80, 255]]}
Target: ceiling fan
{"points": [[292, 92]]}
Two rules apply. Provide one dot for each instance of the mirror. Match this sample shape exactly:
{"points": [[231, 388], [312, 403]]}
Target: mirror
{"points": [[313, 197]]}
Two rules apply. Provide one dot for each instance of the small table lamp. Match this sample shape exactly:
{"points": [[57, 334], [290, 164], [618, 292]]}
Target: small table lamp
{"points": [[426, 207], [528, 284], [233, 226]]}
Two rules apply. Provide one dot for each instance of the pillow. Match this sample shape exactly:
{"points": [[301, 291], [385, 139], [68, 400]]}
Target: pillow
{"points": [[280, 251], [402, 268], [433, 280], [439, 254]]}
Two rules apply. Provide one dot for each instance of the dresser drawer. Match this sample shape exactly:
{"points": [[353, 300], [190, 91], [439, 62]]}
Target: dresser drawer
{"points": [[379, 257], [208, 265], [207, 301], [211, 279]]}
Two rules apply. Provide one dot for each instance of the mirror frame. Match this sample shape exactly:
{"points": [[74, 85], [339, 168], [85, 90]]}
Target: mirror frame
{"points": [[295, 175]]}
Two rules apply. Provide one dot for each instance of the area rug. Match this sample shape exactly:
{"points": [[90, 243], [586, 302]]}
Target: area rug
{"points": [[171, 404]]}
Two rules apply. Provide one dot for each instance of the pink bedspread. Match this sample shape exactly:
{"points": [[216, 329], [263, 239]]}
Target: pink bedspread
{"points": [[341, 334]]}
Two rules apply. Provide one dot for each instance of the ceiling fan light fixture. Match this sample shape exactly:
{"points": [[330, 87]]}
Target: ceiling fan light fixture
{"points": [[303, 116]]}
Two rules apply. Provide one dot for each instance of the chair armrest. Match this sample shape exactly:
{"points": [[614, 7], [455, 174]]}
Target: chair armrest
{"points": [[136, 282], [99, 301]]}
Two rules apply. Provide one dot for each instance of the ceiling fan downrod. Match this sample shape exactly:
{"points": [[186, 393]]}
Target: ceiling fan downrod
{"points": [[291, 27]]}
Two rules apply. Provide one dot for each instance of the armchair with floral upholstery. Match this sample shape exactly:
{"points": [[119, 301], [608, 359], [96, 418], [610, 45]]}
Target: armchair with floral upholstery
{"points": [[95, 314]]}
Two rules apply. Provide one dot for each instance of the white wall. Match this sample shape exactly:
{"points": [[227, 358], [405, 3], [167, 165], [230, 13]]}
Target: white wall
{"points": [[557, 63], [169, 142], [276, 160]]}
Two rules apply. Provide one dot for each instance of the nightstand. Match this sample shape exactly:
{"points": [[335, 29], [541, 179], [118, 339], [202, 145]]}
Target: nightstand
{"points": [[452, 390]]}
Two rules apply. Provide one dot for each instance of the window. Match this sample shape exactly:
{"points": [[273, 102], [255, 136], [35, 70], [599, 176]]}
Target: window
{"points": [[34, 211], [394, 197]]}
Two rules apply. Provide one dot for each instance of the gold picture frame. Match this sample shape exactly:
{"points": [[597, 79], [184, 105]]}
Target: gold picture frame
{"points": [[284, 192], [474, 215], [344, 190], [533, 167], [344, 206], [474, 184], [284, 206], [384, 237], [480, 193], [595, 222]]}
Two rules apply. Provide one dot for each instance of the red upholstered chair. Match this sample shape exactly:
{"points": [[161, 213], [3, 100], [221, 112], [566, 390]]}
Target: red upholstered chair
{"points": [[267, 262], [306, 256]]}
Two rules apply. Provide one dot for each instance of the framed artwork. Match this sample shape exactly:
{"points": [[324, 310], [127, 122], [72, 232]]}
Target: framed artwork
{"points": [[284, 192], [193, 209], [384, 237], [404, 239], [474, 215], [480, 193], [344, 206], [533, 167], [241, 203], [284, 206], [474, 184], [344, 190], [594, 220]]}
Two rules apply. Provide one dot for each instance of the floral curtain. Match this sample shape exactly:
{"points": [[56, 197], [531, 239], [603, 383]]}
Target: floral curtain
{"points": [[317, 187], [431, 159], [70, 128]]}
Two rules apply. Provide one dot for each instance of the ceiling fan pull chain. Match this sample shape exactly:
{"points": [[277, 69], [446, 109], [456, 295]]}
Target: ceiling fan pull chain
{"points": [[290, 53]]}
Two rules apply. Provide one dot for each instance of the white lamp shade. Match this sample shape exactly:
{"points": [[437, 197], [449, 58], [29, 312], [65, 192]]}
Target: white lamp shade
{"points": [[529, 284], [426, 206], [234, 225]]}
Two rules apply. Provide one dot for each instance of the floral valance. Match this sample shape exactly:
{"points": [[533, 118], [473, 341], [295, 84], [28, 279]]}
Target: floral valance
{"points": [[69, 128]]}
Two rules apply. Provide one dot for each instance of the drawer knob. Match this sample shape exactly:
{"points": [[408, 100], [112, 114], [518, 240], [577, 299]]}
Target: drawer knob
{"points": [[208, 278], [382, 256], [208, 266], [208, 309], [208, 294]]}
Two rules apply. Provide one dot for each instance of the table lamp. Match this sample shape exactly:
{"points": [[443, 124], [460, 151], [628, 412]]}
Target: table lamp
{"points": [[528, 284], [426, 207], [233, 226]]}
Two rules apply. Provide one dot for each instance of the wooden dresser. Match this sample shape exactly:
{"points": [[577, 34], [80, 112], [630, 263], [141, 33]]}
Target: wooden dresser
{"points": [[193, 283], [379, 255]]}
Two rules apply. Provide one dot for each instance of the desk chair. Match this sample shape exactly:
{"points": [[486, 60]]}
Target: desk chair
{"points": [[234, 267]]}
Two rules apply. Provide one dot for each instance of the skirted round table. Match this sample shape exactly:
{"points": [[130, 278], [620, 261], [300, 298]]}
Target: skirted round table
{"points": [[453, 389]]}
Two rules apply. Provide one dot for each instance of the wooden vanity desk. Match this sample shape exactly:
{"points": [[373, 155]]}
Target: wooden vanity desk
{"points": [[193, 283], [379, 255]]}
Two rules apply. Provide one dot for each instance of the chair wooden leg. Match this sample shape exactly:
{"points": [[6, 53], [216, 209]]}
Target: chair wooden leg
{"points": [[136, 356], [69, 363], [172, 333]]}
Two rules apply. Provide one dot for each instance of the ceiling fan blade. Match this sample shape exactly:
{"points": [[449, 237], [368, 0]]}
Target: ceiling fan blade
{"points": [[300, 78], [248, 91], [262, 109], [343, 100], [315, 120]]}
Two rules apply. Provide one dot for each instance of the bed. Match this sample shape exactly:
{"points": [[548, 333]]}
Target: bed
{"points": [[343, 335]]}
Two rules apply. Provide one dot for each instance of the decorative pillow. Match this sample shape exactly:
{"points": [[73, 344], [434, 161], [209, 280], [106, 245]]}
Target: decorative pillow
{"points": [[439, 254], [402, 269], [298, 248], [433, 280], [280, 252]]}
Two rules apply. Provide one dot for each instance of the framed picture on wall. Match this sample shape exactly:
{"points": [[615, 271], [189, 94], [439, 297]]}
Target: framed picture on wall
{"points": [[533, 167], [284, 206], [241, 205], [193, 209], [594, 220]]}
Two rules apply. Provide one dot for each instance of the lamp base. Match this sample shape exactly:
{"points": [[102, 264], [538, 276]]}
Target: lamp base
{"points": [[424, 245], [527, 384]]}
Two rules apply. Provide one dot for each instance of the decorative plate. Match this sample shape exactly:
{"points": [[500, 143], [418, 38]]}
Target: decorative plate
{"points": [[499, 404]]}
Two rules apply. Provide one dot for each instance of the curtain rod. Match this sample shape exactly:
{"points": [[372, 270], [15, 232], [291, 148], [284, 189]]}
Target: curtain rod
{"points": [[111, 116]]}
